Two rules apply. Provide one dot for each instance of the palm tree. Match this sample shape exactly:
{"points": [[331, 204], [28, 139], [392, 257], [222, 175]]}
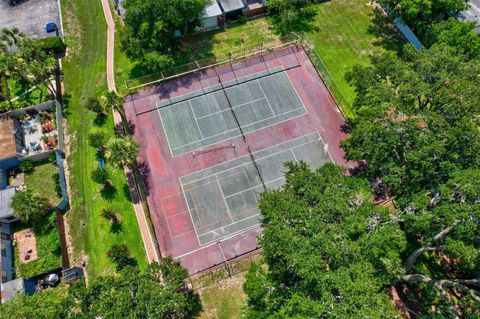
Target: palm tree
{"points": [[115, 102], [11, 37], [122, 152], [29, 206]]}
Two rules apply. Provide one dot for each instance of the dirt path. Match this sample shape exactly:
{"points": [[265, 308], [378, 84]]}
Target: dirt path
{"points": [[148, 242]]}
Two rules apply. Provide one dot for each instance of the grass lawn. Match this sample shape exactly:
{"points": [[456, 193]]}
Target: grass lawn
{"points": [[84, 70], [344, 38], [47, 244], [225, 299], [211, 44], [44, 180]]}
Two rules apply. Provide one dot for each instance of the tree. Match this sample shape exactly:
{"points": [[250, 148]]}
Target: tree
{"points": [[47, 304], [150, 28], [97, 139], [114, 102], [26, 166], [120, 255], [331, 252], [11, 37], [292, 15], [457, 34], [95, 105], [101, 176], [122, 152], [29, 206], [128, 294], [422, 14], [132, 294], [417, 118]]}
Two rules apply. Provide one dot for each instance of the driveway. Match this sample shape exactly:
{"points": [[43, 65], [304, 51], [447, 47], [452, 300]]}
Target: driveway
{"points": [[30, 16]]}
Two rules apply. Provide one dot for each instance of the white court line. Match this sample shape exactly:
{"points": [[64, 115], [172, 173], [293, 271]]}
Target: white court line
{"points": [[263, 92], [207, 245], [232, 224], [236, 129], [166, 219], [246, 156], [165, 131], [196, 122], [233, 107], [243, 126], [190, 213], [224, 198], [249, 162], [293, 154]]}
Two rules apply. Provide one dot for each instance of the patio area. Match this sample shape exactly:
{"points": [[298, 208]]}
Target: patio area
{"points": [[40, 133]]}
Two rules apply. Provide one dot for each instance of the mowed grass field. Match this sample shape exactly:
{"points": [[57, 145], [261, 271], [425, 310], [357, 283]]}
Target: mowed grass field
{"points": [[343, 38], [84, 70]]}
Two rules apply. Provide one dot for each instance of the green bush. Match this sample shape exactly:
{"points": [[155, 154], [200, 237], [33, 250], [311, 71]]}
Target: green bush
{"points": [[53, 44], [100, 175], [120, 255], [97, 139], [29, 206], [26, 166]]}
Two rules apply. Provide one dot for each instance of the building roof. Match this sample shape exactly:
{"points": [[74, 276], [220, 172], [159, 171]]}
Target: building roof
{"points": [[10, 288], [5, 199], [212, 10], [7, 139], [231, 5]]}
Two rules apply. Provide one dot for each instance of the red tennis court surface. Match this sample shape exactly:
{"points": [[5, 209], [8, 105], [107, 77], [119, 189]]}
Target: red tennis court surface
{"points": [[202, 176]]}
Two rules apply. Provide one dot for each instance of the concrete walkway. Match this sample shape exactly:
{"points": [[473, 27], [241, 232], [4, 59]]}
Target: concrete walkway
{"points": [[147, 238]]}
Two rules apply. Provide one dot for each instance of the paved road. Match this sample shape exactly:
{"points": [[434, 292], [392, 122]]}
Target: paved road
{"points": [[148, 242]]}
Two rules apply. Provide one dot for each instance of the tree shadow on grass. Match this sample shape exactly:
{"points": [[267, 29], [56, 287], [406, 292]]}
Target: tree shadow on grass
{"points": [[109, 192], [116, 228], [126, 192], [100, 120], [385, 32], [303, 22]]}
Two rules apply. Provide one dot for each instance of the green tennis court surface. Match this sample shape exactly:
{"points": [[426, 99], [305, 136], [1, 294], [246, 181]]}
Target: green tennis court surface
{"points": [[222, 200], [203, 118]]}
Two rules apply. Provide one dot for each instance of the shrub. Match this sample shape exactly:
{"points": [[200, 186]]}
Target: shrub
{"points": [[120, 255], [29, 206], [53, 44], [26, 166], [95, 105], [97, 139], [111, 215], [101, 175]]}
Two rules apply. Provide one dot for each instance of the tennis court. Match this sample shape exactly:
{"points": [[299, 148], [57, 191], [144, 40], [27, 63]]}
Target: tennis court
{"points": [[200, 119], [222, 200], [212, 141]]}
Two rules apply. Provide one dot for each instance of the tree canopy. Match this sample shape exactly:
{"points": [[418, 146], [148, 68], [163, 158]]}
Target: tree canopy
{"points": [[150, 27], [159, 292], [331, 253], [29, 206], [421, 14], [122, 151], [417, 118]]}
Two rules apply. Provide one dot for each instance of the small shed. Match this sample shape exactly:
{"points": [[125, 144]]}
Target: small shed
{"points": [[232, 8], [6, 212], [210, 16]]}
